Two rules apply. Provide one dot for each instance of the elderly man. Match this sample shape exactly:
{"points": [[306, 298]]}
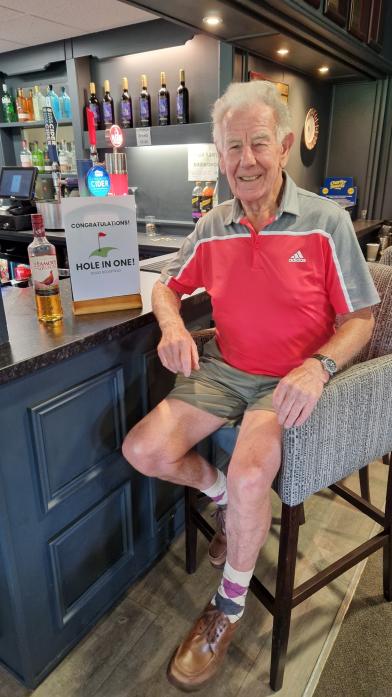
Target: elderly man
{"points": [[280, 264]]}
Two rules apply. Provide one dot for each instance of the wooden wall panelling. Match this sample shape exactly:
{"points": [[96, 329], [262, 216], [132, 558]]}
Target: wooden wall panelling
{"points": [[359, 19], [337, 10], [376, 25]]}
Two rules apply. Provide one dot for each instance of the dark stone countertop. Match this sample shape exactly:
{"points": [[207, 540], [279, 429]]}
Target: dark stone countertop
{"points": [[159, 241], [33, 344]]}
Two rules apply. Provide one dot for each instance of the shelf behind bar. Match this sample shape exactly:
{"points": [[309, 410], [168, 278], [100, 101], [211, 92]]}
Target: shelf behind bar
{"points": [[33, 124], [178, 134]]}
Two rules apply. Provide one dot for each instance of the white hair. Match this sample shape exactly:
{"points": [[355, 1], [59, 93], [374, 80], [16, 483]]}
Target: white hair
{"points": [[242, 94]]}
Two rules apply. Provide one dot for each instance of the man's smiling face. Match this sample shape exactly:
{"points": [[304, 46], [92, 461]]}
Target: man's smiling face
{"points": [[250, 154]]}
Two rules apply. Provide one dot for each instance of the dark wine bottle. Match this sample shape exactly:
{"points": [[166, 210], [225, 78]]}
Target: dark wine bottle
{"points": [[163, 103], [182, 100], [95, 106], [144, 103], [126, 117], [107, 106]]}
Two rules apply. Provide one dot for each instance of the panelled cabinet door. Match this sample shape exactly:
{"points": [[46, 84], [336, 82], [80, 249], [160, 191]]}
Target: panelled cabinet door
{"points": [[376, 24], [337, 10], [358, 23]]}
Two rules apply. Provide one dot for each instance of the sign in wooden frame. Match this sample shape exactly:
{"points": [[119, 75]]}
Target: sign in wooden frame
{"points": [[282, 88], [103, 253]]}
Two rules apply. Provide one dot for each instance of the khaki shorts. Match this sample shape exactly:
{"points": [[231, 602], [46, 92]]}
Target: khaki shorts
{"points": [[222, 390]]}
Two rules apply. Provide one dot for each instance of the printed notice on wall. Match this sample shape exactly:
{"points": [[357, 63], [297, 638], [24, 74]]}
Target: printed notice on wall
{"points": [[103, 255], [202, 162]]}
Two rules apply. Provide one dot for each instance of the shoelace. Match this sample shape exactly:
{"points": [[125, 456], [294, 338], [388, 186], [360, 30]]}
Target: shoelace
{"points": [[220, 519], [212, 625]]}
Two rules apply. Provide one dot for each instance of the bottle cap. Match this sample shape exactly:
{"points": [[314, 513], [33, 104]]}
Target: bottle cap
{"points": [[163, 79], [182, 75], [92, 87], [125, 83], [143, 79], [106, 86], [37, 223]]}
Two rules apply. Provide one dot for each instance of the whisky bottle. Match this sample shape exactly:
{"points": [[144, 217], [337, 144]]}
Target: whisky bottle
{"points": [[107, 106], [182, 100], [38, 103], [126, 117], [163, 103], [44, 273], [30, 107], [144, 103], [21, 106], [95, 107]]}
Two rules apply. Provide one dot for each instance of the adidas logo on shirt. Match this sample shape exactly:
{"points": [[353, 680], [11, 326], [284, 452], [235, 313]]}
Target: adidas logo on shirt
{"points": [[297, 257]]}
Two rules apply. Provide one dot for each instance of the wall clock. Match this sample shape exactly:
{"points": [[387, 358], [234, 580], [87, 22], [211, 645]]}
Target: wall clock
{"points": [[311, 128]]}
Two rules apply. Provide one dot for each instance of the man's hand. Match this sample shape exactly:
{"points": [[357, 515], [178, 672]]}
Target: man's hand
{"points": [[297, 394], [177, 350]]}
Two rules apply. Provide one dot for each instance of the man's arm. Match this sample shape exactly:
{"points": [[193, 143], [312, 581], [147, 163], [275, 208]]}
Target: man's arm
{"points": [[298, 392], [176, 349]]}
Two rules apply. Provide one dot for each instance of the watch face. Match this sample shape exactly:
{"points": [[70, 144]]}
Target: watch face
{"points": [[311, 128], [329, 365]]}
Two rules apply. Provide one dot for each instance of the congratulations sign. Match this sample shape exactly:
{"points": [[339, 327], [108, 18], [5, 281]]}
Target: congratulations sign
{"points": [[103, 256]]}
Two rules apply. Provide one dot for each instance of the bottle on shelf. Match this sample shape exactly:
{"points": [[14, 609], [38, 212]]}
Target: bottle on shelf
{"points": [[21, 106], [54, 102], [38, 157], [207, 198], [47, 160], [65, 104], [107, 106], [71, 156], [8, 107], [163, 103], [182, 100], [94, 105], [44, 272], [144, 103], [30, 106], [38, 103], [63, 157], [126, 116], [197, 195], [26, 158]]}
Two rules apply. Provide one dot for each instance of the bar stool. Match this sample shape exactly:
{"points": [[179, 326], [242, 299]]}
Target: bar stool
{"points": [[356, 411]]}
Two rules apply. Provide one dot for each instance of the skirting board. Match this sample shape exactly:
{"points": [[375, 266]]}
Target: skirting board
{"points": [[119, 302]]}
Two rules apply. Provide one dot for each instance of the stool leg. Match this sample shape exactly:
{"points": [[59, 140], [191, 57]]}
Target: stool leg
{"points": [[387, 550], [190, 531], [301, 517], [284, 591], [364, 483]]}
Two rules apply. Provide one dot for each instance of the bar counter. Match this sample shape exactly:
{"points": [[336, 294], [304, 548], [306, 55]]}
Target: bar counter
{"points": [[78, 524]]}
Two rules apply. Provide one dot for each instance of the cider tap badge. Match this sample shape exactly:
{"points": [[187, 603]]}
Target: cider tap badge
{"points": [[50, 124]]}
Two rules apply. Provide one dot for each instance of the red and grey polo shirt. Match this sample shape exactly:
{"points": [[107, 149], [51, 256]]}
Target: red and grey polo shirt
{"points": [[275, 292]]}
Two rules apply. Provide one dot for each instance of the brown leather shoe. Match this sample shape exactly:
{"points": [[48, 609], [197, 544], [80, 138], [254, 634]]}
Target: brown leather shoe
{"points": [[217, 549], [198, 658]]}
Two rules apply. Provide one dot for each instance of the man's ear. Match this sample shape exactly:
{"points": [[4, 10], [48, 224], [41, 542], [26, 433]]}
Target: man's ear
{"points": [[221, 162], [286, 146]]}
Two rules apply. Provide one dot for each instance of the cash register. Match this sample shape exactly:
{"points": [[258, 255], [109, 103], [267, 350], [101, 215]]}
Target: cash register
{"points": [[17, 186]]}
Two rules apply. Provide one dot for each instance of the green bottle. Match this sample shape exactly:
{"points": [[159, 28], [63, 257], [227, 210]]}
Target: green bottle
{"points": [[8, 107], [38, 157]]}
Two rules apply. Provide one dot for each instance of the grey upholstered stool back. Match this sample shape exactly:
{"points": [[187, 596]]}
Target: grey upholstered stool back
{"points": [[386, 256], [352, 423]]}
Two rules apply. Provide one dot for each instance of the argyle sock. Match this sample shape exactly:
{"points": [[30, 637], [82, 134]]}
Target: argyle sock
{"points": [[231, 594], [218, 491]]}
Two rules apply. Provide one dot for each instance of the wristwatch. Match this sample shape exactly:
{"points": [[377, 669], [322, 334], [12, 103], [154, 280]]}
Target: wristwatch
{"points": [[328, 363]]}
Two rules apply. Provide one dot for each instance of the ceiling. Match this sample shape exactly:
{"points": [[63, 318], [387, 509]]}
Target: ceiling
{"points": [[33, 22]]}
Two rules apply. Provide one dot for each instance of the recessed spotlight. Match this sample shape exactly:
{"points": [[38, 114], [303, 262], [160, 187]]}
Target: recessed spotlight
{"points": [[212, 20], [323, 69], [283, 51]]}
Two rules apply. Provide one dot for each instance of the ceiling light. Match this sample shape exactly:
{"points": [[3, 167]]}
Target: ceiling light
{"points": [[323, 69], [283, 51], [212, 20]]}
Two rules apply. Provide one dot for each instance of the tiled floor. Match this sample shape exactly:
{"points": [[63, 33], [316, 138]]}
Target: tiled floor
{"points": [[127, 652]]}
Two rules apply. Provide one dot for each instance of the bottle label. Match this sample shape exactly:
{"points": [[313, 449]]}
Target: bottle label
{"points": [[26, 160], [45, 274], [180, 106], [107, 113], [163, 107], [144, 110], [206, 204], [126, 113], [97, 117]]}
